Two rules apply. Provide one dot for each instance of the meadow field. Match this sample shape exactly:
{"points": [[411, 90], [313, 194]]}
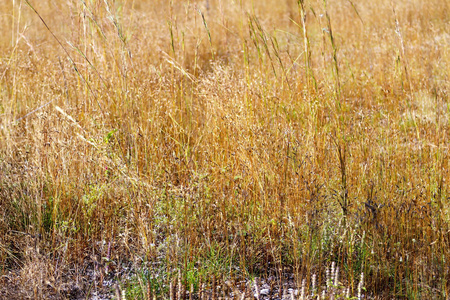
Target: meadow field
{"points": [[224, 149]]}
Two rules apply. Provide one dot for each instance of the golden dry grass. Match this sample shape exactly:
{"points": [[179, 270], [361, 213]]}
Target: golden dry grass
{"points": [[217, 138]]}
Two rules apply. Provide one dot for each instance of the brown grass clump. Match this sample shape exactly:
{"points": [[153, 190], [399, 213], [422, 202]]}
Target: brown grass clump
{"points": [[146, 145]]}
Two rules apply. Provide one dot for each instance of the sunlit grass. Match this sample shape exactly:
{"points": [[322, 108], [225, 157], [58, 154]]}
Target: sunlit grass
{"points": [[198, 143]]}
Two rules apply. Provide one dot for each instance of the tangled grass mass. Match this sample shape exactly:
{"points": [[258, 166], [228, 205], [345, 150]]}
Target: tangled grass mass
{"points": [[224, 149]]}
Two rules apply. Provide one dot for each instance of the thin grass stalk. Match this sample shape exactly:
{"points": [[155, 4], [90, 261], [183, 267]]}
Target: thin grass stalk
{"points": [[335, 64], [405, 67], [309, 74]]}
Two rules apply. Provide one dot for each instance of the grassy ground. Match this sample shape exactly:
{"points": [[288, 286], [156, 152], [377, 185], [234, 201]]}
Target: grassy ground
{"points": [[144, 143]]}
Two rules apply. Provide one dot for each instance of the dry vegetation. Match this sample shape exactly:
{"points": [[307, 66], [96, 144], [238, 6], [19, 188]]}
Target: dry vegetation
{"points": [[145, 143]]}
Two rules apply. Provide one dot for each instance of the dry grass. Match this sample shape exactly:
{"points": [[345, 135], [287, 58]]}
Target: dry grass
{"points": [[225, 139]]}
